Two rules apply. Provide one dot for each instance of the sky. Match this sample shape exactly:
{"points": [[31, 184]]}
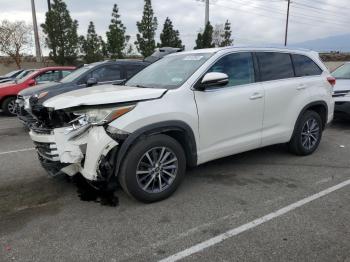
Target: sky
{"points": [[254, 22]]}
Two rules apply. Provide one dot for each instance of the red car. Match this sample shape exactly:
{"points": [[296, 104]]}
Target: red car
{"points": [[9, 91]]}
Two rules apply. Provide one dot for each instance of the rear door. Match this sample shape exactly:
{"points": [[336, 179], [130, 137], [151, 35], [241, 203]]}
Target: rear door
{"points": [[230, 117], [285, 96]]}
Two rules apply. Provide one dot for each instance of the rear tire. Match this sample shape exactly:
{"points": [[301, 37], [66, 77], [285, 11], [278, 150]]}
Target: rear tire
{"points": [[153, 168], [307, 134], [9, 106]]}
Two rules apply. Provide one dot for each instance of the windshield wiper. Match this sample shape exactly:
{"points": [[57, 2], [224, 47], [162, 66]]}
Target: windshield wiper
{"points": [[141, 86]]}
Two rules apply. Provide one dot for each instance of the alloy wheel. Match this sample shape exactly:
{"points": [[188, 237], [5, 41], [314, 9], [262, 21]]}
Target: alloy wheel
{"points": [[157, 170], [11, 107], [310, 133]]}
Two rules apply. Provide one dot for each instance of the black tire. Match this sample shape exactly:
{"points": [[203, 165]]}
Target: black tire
{"points": [[7, 106], [130, 181], [298, 145]]}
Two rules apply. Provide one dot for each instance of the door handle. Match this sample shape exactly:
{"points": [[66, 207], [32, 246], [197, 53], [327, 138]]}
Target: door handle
{"points": [[256, 96], [301, 87]]}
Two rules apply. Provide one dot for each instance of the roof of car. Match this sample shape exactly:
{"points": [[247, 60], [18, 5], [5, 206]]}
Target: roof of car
{"points": [[246, 48], [119, 62], [56, 68]]}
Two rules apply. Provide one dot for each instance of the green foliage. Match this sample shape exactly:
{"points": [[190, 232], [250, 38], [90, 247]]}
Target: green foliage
{"points": [[116, 38], [147, 30], [169, 36], [91, 46], [227, 41], [205, 40], [61, 34]]}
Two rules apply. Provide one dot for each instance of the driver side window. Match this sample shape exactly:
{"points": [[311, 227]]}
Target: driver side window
{"points": [[107, 73], [238, 66]]}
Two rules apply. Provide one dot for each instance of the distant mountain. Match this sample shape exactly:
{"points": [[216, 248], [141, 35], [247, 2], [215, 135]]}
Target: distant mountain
{"points": [[333, 43]]}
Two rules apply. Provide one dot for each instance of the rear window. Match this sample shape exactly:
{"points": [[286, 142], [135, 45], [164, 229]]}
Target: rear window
{"points": [[275, 66], [304, 66]]}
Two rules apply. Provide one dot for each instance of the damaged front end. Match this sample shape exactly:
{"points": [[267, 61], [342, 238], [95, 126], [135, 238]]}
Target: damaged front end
{"points": [[79, 140]]}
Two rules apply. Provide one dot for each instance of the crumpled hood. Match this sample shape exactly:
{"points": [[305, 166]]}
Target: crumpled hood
{"points": [[101, 95], [342, 85]]}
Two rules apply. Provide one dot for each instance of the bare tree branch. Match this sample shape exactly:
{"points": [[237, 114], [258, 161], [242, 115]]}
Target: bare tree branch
{"points": [[15, 38]]}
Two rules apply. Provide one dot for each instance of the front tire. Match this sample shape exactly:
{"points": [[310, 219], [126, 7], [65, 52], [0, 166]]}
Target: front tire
{"points": [[307, 134], [9, 106], [153, 168]]}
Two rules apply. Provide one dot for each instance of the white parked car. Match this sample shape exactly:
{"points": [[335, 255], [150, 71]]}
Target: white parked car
{"points": [[184, 110], [342, 91]]}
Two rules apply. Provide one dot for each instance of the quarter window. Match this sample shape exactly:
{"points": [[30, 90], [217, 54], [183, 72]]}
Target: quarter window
{"points": [[238, 66], [275, 66], [304, 66]]}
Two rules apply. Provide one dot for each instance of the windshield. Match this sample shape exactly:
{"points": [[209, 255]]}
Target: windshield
{"points": [[170, 72], [23, 79], [75, 74], [24, 73], [10, 74], [342, 72]]}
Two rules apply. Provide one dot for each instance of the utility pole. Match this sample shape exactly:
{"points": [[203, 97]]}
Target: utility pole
{"points": [[49, 5], [206, 12], [36, 34], [287, 23]]}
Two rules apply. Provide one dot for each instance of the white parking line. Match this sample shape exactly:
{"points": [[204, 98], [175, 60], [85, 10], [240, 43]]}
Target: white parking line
{"points": [[233, 232], [17, 151]]}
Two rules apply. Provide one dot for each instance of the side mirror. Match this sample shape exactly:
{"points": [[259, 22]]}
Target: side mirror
{"points": [[91, 82], [32, 82], [213, 79]]}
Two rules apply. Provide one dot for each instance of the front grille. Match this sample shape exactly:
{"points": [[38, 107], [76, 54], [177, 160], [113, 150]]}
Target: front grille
{"points": [[47, 150]]}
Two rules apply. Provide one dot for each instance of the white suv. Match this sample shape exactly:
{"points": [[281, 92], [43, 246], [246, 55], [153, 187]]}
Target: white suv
{"points": [[184, 110]]}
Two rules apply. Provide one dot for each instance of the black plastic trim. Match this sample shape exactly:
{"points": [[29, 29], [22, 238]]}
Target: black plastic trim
{"points": [[316, 103], [159, 128]]}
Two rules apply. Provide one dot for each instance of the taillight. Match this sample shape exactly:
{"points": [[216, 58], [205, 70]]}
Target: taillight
{"points": [[331, 80]]}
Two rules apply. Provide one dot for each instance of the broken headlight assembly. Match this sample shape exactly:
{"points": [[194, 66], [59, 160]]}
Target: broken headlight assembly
{"points": [[97, 117]]}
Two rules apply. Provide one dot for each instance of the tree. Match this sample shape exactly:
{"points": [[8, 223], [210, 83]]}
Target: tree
{"points": [[91, 46], [103, 47], [227, 41], [169, 36], [61, 34], [218, 35], [116, 38], [205, 40], [147, 30], [15, 38]]}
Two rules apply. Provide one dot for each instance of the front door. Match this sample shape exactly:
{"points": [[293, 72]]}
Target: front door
{"points": [[230, 117]]}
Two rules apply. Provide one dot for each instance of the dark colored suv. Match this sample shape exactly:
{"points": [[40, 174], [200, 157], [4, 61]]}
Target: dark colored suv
{"points": [[107, 72]]}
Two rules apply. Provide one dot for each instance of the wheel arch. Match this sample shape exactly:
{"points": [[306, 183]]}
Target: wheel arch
{"points": [[319, 107], [178, 130], [2, 99]]}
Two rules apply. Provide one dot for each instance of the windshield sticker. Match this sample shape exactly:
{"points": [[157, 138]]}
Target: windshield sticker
{"points": [[176, 79], [193, 58]]}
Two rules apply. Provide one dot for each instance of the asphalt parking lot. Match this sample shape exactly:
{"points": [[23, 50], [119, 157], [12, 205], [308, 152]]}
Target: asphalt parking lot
{"points": [[43, 219]]}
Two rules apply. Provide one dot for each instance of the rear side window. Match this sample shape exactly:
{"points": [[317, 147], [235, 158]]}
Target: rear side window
{"points": [[275, 66], [238, 66], [304, 66]]}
